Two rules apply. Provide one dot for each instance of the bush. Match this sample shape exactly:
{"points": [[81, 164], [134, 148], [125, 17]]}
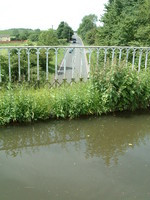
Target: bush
{"points": [[24, 105], [113, 89], [121, 88]]}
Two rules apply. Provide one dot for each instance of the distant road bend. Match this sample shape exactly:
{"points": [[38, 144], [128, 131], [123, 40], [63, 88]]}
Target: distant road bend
{"points": [[74, 64]]}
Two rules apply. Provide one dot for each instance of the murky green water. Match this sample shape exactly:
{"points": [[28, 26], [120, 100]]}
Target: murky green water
{"points": [[106, 158]]}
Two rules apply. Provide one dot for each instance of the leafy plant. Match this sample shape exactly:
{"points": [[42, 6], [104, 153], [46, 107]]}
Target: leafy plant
{"points": [[114, 88], [121, 88]]}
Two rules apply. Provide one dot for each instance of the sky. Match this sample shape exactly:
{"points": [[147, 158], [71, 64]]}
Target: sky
{"points": [[45, 14]]}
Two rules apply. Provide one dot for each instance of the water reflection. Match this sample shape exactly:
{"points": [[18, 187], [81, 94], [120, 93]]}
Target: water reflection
{"points": [[107, 137]]}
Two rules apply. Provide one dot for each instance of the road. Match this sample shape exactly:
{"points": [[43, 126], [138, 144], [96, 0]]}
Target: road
{"points": [[74, 65]]}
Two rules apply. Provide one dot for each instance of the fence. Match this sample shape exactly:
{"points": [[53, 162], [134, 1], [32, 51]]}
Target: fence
{"points": [[58, 63]]}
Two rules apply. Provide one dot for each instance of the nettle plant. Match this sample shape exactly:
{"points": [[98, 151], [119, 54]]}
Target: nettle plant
{"points": [[121, 88]]}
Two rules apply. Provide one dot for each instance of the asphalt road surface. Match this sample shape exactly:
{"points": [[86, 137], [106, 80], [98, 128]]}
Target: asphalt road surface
{"points": [[74, 65]]}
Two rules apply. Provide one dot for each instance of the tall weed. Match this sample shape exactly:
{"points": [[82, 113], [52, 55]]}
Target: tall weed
{"points": [[121, 88], [114, 88]]}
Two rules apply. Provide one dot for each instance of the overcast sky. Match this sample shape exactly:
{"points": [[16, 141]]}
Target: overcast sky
{"points": [[44, 14]]}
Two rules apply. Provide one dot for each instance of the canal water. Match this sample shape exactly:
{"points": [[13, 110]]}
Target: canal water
{"points": [[105, 158]]}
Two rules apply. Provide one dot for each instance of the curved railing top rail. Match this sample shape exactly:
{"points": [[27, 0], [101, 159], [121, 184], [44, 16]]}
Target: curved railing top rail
{"points": [[93, 47]]}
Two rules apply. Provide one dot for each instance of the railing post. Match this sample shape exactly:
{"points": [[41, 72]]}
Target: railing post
{"points": [[127, 56], [120, 55], [105, 57], [133, 59], [9, 67], [19, 70], [113, 55], [28, 53], [90, 53], [47, 53], [146, 59], [38, 55], [56, 63], [140, 57], [97, 61], [65, 66], [81, 66], [72, 63]]}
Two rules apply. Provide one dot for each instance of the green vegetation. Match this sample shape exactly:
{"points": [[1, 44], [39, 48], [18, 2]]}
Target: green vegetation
{"points": [[122, 88], [15, 43], [45, 38], [33, 65], [20, 34], [48, 38], [87, 29], [113, 89], [124, 23], [64, 31]]}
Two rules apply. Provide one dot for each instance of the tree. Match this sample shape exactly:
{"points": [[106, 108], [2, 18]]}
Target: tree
{"points": [[48, 38], [60, 30], [125, 23], [91, 36], [64, 31], [88, 23], [24, 35], [34, 36], [15, 34]]}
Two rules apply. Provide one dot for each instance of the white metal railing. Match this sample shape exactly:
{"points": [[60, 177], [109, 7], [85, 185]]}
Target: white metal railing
{"points": [[72, 65]]}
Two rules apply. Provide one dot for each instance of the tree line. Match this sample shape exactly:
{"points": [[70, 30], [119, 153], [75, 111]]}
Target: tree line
{"points": [[47, 37], [61, 36], [124, 23]]}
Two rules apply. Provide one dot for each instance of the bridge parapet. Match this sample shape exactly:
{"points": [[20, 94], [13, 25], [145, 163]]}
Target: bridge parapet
{"points": [[65, 63]]}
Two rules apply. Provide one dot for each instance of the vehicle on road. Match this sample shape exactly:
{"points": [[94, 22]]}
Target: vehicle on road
{"points": [[70, 50], [74, 40]]}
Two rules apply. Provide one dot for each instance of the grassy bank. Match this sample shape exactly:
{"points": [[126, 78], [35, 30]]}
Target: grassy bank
{"points": [[113, 89], [21, 104]]}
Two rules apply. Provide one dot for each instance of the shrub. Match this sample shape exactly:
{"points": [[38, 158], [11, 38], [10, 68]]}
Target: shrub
{"points": [[112, 89], [121, 88]]}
